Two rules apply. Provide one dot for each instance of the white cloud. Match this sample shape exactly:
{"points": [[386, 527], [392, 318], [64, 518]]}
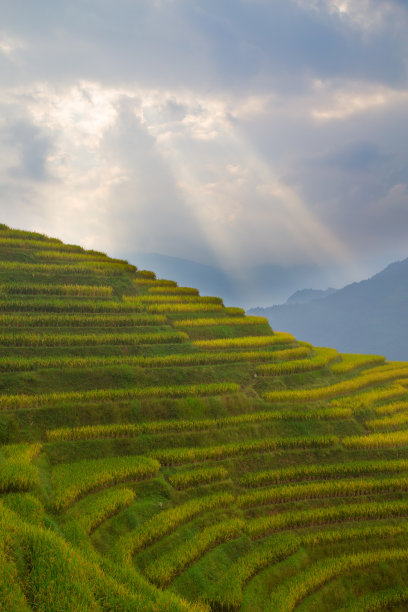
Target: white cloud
{"points": [[189, 149], [10, 44], [395, 202], [80, 114], [339, 101], [367, 15], [187, 127]]}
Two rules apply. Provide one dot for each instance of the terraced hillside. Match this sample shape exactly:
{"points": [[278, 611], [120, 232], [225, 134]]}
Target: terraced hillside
{"points": [[162, 452]]}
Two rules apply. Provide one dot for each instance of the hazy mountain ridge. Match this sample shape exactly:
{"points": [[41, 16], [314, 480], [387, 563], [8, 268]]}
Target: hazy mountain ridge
{"points": [[261, 284], [368, 316], [308, 295]]}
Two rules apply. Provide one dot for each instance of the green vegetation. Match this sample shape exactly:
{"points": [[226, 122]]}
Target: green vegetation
{"points": [[90, 512], [178, 299], [16, 470], [190, 478], [81, 267], [322, 358], [311, 490], [162, 452], [210, 321], [13, 364], [32, 339], [350, 362], [54, 289], [306, 472], [68, 320], [70, 480], [378, 440], [289, 594], [277, 338], [131, 430], [187, 455], [165, 522], [319, 516], [163, 572], [341, 388]]}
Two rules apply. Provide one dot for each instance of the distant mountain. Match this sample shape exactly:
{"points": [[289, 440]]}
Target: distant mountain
{"points": [[210, 280], [271, 284], [308, 295], [263, 284], [366, 317]]}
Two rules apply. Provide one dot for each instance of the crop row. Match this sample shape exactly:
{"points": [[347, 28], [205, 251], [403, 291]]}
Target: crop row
{"points": [[60, 577], [45, 399], [386, 599], [341, 388], [217, 343], [366, 399], [310, 490], [45, 243], [11, 595], [314, 538], [395, 420], [21, 452], [17, 476], [350, 362], [26, 505], [16, 471], [261, 526], [163, 570], [190, 478], [178, 299], [146, 274], [60, 249], [211, 321], [10, 364], [9, 232], [173, 456], [377, 440], [388, 365], [286, 597], [79, 257], [391, 408], [228, 592], [70, 480], [153, 282], [88, 432], [81, 267], [178, 307], [65, 305], [81, 320], [34, 339], [155, 289], [322, 358], [163, 523], [91, 511], [55, 289], [234, 311], [313, 471]]}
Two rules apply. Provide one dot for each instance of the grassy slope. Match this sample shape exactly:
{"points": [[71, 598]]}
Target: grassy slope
{"points": [[151, 472]]}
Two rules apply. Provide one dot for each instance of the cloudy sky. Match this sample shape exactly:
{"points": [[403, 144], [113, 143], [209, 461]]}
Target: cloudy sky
{"points": [[229, 132]]}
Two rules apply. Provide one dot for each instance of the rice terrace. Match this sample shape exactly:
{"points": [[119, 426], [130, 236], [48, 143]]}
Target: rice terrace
{"points": [[162, 452]]}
